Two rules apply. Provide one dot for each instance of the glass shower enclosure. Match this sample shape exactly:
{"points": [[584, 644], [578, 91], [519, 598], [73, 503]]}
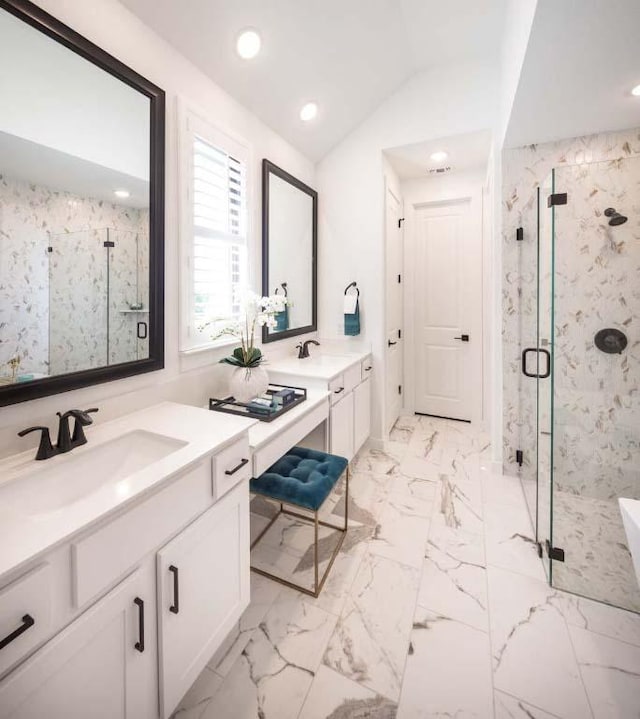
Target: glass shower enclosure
{"points": [[587, 369], [102, 274]]}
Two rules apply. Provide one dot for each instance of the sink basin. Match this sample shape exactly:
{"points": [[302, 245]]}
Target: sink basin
{"points": [[630, 510], [65, 479]]}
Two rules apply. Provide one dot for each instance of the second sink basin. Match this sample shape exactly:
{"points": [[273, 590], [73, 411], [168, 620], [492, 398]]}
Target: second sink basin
{"points": [[68, 478]]}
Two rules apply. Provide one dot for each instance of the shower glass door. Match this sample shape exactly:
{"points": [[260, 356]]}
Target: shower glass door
{"points": [[588, 282], [544, 381]]}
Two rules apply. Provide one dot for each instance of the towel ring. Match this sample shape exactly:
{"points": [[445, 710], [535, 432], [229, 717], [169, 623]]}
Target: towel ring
{"points": [[354, 285], [284, 287]]}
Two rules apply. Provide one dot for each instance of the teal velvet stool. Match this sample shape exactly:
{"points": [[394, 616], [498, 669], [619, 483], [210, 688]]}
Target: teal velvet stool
{"points": [[303, 478]]}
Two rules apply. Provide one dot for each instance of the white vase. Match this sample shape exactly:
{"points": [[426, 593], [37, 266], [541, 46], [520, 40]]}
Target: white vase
{"points": [[247, 383]]}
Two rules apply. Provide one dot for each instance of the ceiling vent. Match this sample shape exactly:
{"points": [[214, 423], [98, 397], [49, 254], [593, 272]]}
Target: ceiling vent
{"points": [[439, 170]]}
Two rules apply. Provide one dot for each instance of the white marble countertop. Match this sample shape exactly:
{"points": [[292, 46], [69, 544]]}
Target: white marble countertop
{"points": [[23, 537], [263, 432], [318, 366]]}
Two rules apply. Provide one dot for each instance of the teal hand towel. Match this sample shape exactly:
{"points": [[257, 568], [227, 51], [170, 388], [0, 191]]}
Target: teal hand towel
{"points": [[282, 319], [352, 322]]}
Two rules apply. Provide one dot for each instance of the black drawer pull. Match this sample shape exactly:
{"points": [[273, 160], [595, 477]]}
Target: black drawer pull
{"points": [[368, 369], [390, 343], [139, 645], [235, 469], [175, 607], [339, 390], [27, 621]]}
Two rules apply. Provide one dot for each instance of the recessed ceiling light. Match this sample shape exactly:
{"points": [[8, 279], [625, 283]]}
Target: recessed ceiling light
{"points": [[248, 44], [122, 193], [309, 111], [439, 156], [636, 91]]}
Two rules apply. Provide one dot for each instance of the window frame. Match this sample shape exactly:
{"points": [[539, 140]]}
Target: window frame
{"points": [[193, 122]]}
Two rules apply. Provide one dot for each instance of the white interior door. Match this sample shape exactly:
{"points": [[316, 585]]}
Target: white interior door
{"points": [[448, 311], [394, 308]]}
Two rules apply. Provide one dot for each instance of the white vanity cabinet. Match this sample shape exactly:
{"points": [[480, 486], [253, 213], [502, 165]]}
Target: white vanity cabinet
{"points": [[128, 609], [103, 665], [348, 380], [203, 587]]}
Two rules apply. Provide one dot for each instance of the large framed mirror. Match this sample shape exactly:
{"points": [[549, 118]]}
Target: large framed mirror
{"points": [[289, 250], [81, 211]]}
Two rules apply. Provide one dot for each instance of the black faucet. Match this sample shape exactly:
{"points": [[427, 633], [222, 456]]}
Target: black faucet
{"points": [[304, 348], [65, 442]]}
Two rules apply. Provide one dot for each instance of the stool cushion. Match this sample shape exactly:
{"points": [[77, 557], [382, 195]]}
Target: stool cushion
{"points": [[303, 477]]}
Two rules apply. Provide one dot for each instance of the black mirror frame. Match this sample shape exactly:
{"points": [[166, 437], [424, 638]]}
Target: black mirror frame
{"points": [[22, 392], [269, 168]]}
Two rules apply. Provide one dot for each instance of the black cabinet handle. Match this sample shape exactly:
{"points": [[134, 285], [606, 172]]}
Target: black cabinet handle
{"points": [[235, 469], [27, 621], [390, 343], [175, 607], [139, 645], [537, 375], [339, 390]]}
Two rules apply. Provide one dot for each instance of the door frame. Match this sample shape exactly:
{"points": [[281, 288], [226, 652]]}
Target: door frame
{"points": [[414, 202]]}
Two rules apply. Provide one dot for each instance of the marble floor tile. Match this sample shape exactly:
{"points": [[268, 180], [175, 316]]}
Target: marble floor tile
{"points": [[454, 588], [528, 632], [413, 487], [401, 532], [510, 542], [333, 696], [403, 429], [448, 670], [195, 701], [370, 642], [367, 497], [611, 673], [271, 677], [419, 468], [263, 594], [500, 489], [508, 707], [599, 618], [376, 461]]}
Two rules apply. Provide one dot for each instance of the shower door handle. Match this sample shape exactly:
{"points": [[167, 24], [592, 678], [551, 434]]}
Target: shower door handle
{"points": [[537, 375], [142, 330]]}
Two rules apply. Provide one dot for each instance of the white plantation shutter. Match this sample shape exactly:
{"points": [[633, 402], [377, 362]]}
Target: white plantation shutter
{"points": [[217, 257]]}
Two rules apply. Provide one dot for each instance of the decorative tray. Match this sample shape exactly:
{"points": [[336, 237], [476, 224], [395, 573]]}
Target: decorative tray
{"points": [[230, 406]]}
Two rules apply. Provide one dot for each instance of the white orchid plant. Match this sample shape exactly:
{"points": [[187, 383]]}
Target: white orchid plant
{"points": [[258, 312]]}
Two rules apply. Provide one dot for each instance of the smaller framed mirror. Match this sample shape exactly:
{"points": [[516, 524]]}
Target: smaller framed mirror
{"points": [[289, 250]]}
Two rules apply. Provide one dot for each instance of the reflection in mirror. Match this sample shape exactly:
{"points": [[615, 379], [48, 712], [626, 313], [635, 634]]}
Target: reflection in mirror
{"points": [[289, 250], [74, 211]]}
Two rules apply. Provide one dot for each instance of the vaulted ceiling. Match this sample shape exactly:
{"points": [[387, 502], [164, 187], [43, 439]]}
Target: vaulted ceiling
{"points": [[346, 55]]}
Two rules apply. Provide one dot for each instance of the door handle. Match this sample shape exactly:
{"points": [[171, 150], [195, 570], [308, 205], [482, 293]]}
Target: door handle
{"points": [[537, 375], [390, 343], [139, 645], [142, 330], [463, 338], [27, 621], [175, 607], [337, 391]]}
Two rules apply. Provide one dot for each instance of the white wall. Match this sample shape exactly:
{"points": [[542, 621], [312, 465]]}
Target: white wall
{"points": [[188, 379], [438, 103], [468, 184]]}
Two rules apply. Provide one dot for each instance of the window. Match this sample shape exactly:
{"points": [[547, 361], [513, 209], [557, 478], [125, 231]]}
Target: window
{"points": [[215, 243]]}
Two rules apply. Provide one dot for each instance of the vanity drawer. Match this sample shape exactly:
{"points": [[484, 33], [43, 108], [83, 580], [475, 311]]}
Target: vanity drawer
{"points": [[337, 388], [366, 368], [231, 466], [264, 457], [25, 619], [352, 377], [100, 558]]}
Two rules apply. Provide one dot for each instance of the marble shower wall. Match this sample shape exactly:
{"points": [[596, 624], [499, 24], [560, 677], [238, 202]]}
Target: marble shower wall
{"points": [[524, 169], [30, 217]]}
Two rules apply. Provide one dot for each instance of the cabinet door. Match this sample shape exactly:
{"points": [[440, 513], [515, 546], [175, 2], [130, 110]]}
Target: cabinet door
{"points": [[203, 588], [361, 414], [93, 668], [342, 427]]}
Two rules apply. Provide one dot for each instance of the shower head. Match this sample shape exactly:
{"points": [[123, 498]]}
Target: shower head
{"points": [[615, 218]]}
